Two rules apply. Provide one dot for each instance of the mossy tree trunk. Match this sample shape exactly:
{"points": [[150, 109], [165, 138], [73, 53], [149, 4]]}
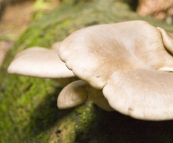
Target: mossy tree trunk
{"points": [[28, 109]]}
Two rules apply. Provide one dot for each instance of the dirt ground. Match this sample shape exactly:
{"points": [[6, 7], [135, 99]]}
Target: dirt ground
{"points": [[14, 21]]}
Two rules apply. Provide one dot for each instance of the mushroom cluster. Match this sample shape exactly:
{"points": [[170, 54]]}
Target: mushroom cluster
{"points": [[123, 66]]}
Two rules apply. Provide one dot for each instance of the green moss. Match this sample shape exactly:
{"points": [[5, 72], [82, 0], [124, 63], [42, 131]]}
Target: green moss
{"points": [[28, 110]]}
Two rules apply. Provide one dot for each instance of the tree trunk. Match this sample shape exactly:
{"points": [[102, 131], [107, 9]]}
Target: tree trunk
{"points": [[28, 109]]}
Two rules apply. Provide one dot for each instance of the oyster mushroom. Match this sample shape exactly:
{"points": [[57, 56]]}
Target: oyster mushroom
{"points": [[43, 63], [78, 92], [118, 65], [123, 60], [141, 93], [39, 62], [119, 46]]}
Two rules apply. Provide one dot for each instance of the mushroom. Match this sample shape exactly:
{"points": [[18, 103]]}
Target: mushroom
{"points": [[39, 62], [56, 45], [43, 63], [121, 66], [123, 60], [141, 93], [78, 92]]}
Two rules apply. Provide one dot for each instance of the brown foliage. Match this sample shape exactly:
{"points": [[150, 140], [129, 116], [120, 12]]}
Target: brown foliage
{"points": [[160, 9]]}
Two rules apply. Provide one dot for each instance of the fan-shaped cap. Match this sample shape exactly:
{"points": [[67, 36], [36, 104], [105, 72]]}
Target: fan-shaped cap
{"points": [[142, 94], [122, 59], [72, 95], [95, 52], [39, 62]]}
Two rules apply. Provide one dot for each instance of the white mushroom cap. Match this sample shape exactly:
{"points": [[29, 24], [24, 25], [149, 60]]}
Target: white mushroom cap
{"points": [[119, 60], [122, 59], [94, 53], [142, 94], [78, 92], [72, 95], [39, 62]]}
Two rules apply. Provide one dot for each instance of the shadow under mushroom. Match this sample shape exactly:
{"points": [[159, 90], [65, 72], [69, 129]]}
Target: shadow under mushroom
{"points": [[46, 115], [114, 127]]}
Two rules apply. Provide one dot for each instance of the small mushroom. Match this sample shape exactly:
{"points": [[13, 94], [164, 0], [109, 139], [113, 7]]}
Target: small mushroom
{"points": [[124, 60], [78, 92], [43, 63], [39, 62], [72, 95]]}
